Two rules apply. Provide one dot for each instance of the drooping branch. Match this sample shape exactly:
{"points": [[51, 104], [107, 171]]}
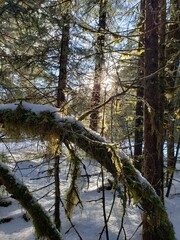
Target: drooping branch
{"points": [[31, 119], [42, 223]]}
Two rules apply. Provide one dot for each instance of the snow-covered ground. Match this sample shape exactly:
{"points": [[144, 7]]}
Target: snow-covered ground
{"points": [[29, 165]]}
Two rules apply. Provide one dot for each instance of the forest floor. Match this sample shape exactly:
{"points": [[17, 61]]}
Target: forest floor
{"points": [[87, 222]]}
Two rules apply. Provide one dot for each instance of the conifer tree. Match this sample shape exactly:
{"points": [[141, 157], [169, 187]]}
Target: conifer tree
{"points": [[99, 64]]}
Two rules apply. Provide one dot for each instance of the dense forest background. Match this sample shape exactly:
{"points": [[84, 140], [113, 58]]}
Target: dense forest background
{"points": [[113, 65]]}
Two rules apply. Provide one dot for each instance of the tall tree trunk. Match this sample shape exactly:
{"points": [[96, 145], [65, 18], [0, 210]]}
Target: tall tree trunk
{"points": [[152, 165], [161, 66], [152, 135], [63, 61], [173, 39], [138, 137], [99, 64]]}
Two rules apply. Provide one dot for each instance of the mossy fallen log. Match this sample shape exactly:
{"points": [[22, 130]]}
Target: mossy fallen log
{"points": [[42, 223], [31, 119]]}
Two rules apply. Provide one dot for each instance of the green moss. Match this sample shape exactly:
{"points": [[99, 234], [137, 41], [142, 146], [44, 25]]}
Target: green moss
{"points": [[24, 122], [41, 221], [4, 157], [144, 194], [44, 125], [72, 195]]}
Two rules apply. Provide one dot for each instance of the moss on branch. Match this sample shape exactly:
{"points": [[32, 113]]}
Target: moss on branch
{"points": [[42, 223], [45, 124]]}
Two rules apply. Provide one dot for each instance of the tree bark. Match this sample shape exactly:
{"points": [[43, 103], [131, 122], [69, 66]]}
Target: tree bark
{"points": [[62, 82], [161, 76], [99, 64], [153, 165], [57, 219], [63, 60], [42, 223], [138, 135], [24, 118], [173, 64]]}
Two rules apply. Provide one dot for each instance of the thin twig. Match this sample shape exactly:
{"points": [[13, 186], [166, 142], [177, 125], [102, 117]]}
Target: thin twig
{"points": [[72, 225], [104, 208]]}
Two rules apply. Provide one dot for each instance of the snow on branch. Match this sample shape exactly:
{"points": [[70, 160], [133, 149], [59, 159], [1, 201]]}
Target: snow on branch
{"points": [[45, 121]]}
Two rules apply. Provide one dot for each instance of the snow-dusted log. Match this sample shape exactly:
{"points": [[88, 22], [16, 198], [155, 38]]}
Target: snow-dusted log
{"points": [[42, 223], [32, 119]]}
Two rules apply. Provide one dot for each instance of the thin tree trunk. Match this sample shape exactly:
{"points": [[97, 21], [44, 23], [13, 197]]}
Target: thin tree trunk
{"points": [[99, 64], [161, 65], [138, 136], [172, 57], [57, 219], [172, 172], [62, 82], [103, 115], [63, 61]]}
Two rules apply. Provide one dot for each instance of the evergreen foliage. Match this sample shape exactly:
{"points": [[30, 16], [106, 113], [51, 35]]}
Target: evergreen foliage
{"points": [[95, 59]]}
